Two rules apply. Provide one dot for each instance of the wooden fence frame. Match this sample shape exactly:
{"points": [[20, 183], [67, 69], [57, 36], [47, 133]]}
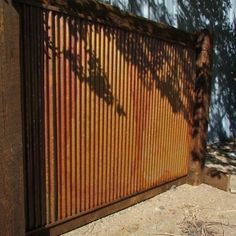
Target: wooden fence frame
{"points": [[11, 175], [11, 152]]}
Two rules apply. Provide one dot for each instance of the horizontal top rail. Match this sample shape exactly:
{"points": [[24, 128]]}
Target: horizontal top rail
{"points": [[110, 15]]}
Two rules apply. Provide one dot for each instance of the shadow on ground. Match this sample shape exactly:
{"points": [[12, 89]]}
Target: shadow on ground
{"points": [[222, 156]]}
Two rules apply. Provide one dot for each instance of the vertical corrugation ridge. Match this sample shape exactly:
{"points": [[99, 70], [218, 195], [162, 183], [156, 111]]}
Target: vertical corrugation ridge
{"points": [[28, 143], [180, 131], [118, 140], [162, 107], [89, 115], [110, 116], [137, 110], [96, 102], [136, 153], [122, 114], [169, 111], [154, 112], [113, 128], [72, 114], [92, 63], [70, 120], [176, 79], [132, 92], [105, 121], [115, 135], [32, 97], [157, 99], [83, 117], [77, 67], [169, 121], [100, 131], [58, 112], [150, 118], [76, 120], [107, 133], [146, 114], [55, 111], [128, 91], [103, 73], [141, 100], [63, 120], [35, 87], [41, 157], [125, 102], [46, 104]]}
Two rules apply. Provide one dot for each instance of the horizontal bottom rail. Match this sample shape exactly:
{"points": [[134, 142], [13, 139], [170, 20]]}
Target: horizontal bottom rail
{"points": [[74, 222]]}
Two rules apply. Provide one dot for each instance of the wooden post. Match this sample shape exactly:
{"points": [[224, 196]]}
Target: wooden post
{"points": [[11, 157], [204, 50]]}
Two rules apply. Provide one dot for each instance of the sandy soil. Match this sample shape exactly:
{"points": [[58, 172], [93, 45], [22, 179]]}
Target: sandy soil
{"points": [[186, 210]]}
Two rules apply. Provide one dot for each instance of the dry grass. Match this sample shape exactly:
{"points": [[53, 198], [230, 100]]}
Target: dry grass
{"points": [[192, 226]]}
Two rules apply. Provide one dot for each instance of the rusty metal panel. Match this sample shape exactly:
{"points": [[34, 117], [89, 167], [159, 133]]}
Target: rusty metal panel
{"points": [[108, 114]]}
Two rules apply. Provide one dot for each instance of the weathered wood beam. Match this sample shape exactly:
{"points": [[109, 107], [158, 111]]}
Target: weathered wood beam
{"points": [[11, 156], [203, 76], [110, 15]]}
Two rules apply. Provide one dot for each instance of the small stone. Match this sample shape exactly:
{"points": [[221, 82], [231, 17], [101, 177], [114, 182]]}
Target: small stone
{"points": [[173, 188], [162, 208]]}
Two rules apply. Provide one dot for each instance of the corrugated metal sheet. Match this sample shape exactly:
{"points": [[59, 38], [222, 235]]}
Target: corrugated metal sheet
{"points": [[107, 114]]}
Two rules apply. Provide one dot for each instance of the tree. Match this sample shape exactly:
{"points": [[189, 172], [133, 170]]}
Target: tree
{"points": [[213, 15]]}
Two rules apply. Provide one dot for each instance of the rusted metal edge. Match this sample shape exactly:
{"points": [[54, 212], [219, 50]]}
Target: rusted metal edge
{"points": [[77, 221], [114, 17], [216, 178]]}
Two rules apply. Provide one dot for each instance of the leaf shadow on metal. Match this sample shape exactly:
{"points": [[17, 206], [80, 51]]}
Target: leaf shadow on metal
{"points": [[96, 78], [172, 67]]}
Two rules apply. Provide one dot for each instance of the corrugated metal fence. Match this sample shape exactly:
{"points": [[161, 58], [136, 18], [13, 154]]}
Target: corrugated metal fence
{"points": [[107, 113]]}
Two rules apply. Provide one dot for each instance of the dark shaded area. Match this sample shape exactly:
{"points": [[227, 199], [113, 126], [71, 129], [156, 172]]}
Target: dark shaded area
{"points": [[32, 69]]}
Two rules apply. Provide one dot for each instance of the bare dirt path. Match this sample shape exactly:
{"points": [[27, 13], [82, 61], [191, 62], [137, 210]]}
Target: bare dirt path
{"points": [[186, 210]]}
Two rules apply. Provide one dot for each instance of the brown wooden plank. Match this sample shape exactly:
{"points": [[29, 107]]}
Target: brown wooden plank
{"points": [[74, 222], [103, 13], [12, 220], [204, 47]]}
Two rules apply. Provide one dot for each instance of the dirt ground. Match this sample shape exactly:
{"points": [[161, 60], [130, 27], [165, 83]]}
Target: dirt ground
{"points": [[185, 210]]}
